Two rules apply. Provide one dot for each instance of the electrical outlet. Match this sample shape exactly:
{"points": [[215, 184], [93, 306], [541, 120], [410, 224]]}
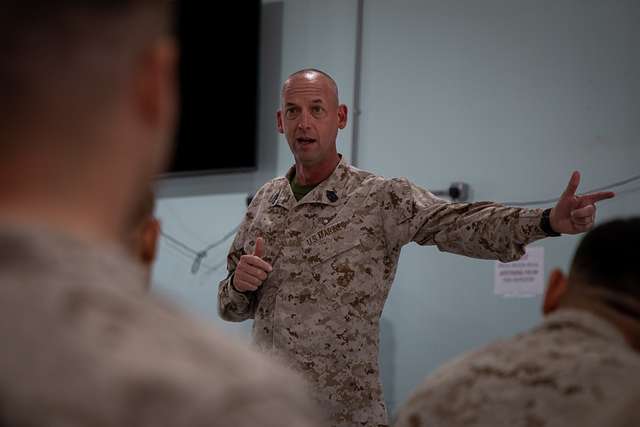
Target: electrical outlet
{"points": [[459, 191]]}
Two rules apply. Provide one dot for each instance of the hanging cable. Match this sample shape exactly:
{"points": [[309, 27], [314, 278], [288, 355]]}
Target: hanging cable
{"points": [[196, 255], [547, 201]]}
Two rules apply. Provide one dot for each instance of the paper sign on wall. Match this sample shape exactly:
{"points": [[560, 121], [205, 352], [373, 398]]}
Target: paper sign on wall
{"points": [[522, 278]]}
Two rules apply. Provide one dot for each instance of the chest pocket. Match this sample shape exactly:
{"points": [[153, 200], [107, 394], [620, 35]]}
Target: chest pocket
{"points": [[328, 250], [333, 260], [269, 226]]}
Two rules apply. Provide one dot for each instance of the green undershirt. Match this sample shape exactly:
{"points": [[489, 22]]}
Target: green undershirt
{"points": [[299, 191]]}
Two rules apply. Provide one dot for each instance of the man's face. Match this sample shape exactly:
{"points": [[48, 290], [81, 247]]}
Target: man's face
{"points": [[310, 118]]}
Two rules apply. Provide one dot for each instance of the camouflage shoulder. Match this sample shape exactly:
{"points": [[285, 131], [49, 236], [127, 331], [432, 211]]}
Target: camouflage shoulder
{"points": [[206, 369], [269, 188], [369, 179], [361, 173]]}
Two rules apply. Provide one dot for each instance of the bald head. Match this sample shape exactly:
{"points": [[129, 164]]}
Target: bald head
{"points": [[310, 118], [312, 75]]}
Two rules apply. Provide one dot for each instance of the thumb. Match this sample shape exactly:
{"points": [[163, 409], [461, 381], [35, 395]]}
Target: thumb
{"points": [[259, 250]]}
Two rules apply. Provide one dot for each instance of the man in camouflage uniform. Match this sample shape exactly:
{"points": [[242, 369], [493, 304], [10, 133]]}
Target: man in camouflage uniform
{"points": [[317, 252], [87, 108], [580, 367]]}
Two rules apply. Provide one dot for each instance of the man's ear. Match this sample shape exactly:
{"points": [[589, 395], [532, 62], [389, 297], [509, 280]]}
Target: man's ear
{"points": [[556, 288], [342, 116], [279, 124]]}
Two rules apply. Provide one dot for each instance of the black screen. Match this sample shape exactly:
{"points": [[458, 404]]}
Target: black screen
{"points": [[219, 51]]}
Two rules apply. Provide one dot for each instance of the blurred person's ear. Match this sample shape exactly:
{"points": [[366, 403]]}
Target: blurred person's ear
{"points": [[556, 288], [150, 236]]}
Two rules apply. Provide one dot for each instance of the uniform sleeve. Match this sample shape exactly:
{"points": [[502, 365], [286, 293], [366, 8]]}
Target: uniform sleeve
{"points": [[233, 305], [480, 230]]}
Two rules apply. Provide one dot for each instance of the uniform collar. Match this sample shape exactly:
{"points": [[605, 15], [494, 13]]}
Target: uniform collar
{"points": [[331, 191], [582, 319]]}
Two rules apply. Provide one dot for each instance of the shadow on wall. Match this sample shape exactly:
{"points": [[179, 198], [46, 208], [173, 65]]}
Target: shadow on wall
{"points": [[387, 364]]}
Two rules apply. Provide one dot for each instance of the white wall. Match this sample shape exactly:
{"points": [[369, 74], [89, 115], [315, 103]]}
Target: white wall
{"points": [[509, 96]]}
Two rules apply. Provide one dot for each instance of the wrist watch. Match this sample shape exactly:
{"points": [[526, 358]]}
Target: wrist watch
{"points": [[545, 224]]}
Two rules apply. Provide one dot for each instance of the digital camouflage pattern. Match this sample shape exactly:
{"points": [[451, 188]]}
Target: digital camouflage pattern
{"points": [[334, 256], [574, 370], [83, 344]]}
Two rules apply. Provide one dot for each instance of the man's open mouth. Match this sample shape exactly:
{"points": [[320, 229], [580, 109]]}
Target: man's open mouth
{"points": [[305, 141]]}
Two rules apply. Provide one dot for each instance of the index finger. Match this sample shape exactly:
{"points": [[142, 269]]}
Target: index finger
{"points": [[590, 199]]}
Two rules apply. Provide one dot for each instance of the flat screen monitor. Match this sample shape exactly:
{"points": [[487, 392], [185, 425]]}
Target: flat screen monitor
{"points": [[217, 128]]}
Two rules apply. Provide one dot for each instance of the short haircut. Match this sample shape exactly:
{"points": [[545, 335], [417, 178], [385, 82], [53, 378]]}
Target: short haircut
{"points": [[69, 51], [607, 257]]}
